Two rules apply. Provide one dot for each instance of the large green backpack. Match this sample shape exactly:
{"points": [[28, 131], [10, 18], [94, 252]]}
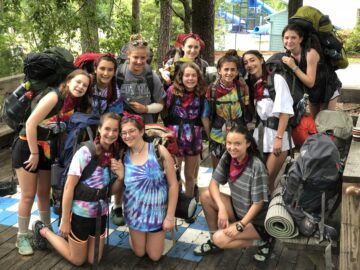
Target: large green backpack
{"points": [[313, 21]]}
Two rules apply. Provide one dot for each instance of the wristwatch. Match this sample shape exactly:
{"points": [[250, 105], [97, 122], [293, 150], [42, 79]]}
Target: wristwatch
{"points": [[239, 227]]}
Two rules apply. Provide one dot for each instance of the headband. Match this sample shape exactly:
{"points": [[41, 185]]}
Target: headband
{"points": [[137, 118]]}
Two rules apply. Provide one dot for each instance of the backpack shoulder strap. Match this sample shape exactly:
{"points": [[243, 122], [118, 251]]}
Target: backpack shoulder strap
{"points": [[150, 81], [120, 75], [213, 98], [158, 156], [90, 168]]}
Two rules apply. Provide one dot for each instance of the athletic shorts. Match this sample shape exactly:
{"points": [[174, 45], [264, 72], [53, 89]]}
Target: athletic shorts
{"points": [[260, 229], [21, 153], [83, 227]]}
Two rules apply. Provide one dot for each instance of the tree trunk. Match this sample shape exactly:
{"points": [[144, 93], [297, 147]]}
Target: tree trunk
{"points": [[135, 27], [203, 20], [88, 26], [165, 29], [187, 15], [293, 6]]}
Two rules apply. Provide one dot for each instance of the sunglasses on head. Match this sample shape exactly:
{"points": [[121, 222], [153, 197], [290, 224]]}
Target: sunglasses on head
{"points": [[139, 43]]}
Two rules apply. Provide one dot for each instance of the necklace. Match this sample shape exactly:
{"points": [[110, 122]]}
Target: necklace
{"points": [[138, 152]]}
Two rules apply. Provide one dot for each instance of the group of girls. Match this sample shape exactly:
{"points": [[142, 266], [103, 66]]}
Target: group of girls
{"points": [[139, 181]]}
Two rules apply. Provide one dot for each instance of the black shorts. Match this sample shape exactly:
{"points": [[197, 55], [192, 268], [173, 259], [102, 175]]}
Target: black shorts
{"points": [[260, 229], [21, 153], [83, 227]]}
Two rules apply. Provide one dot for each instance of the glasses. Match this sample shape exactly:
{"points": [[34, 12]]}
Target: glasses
{"points": [[129, 132], [139, 43]]}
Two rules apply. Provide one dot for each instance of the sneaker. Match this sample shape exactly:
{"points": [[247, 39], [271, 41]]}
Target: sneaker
{"points": [[207, 248], [117, 216], [23, 245], [38, 240]]}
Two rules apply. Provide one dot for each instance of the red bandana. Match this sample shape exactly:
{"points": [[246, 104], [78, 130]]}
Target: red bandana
{"points": [[237, 168], [187, 98], [134, 117], [259, 90]]}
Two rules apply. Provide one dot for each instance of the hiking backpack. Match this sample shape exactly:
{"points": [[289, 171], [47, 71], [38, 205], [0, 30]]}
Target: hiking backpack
{"points": [[312, 21], [340, 124], [274, 65], [79, 130], [85, 61], [42, 71], [313, 179]]}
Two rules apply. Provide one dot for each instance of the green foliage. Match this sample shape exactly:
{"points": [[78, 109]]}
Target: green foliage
{"points": [[352, 41]]}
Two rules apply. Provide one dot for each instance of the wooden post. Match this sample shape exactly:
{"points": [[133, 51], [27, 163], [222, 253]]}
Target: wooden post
{"points": [[350, 211]]}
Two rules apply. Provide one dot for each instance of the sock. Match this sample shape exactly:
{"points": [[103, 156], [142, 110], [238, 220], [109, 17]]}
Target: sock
{"points": [[23, 225], [115, 206], [45, 217]]}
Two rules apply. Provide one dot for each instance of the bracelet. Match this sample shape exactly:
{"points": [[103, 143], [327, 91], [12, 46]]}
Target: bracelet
{"points": [[278, 137], [34, 153], [170, 219], [295, 69]]}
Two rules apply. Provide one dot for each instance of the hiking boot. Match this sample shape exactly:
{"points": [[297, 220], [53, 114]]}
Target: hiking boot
{"points": [[207, 248], [38, 240], [23, 245], [117, 217]]}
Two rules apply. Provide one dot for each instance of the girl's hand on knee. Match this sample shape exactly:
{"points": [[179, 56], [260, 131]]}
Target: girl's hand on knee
{"points": [[231, 231], [223, 219]]}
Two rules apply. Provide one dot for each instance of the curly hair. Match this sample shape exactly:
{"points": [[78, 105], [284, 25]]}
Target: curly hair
{"points": [[179, 87]]}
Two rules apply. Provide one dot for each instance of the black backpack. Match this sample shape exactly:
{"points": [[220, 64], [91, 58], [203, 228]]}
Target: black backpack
{"points": [[274, 65], [313, 179], [42, 71]]}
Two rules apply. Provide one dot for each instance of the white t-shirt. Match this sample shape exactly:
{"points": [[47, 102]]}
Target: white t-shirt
{"points": [[266, 108]]}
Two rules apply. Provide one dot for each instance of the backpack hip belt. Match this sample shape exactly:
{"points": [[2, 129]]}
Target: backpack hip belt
{"points": [[85, 193], [271, 122]]}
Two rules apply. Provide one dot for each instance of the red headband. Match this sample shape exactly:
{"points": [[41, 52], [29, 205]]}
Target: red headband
{"points": [[137, 118], [181, 38]]}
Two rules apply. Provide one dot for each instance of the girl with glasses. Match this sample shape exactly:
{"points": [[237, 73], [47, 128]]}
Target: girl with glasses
{"points": [[150, 192]]}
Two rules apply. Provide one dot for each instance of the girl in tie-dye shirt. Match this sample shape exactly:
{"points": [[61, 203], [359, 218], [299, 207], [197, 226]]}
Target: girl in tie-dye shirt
{"points": [[150, 197], [79, 217]]}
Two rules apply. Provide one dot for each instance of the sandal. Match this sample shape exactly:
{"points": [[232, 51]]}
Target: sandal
{"points": [[264, 250], [207, 248]]}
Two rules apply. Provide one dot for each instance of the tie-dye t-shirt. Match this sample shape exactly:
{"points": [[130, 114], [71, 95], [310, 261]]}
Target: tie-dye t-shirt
{"points": [[145, 195], [228, 108], [99, 179]]}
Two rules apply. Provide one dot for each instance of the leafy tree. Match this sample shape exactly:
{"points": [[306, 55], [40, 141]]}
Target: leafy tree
{"points": [[352, 41]]}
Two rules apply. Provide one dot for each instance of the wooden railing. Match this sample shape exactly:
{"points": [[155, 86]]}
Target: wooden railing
{"points": [[350, 211]]}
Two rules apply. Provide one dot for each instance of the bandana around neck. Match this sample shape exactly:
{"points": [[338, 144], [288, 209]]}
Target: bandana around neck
{"points": [[237, 168], [259, 90]]}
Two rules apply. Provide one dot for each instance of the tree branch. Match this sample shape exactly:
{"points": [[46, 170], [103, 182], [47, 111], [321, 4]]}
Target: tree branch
{"points": [[177, 14]]}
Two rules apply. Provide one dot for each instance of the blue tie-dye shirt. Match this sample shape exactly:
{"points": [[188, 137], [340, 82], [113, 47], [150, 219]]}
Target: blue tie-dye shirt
{"points": [[145, 195], [99, 179]]}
